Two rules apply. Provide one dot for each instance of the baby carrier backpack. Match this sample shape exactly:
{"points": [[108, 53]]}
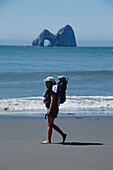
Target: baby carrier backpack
{"points": [[61, 92]]}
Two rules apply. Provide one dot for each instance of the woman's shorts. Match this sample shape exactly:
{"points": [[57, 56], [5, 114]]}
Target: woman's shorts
{"points": [[54, 112]]}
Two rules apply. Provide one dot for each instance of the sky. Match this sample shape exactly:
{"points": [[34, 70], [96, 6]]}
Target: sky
{"points": [[21, 21]]}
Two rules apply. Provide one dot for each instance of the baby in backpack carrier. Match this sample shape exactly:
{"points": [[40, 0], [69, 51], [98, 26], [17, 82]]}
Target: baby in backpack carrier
{"points": [[62, 79]]}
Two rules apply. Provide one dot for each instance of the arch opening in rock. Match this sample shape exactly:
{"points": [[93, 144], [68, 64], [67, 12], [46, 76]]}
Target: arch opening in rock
{"points": [[46, 43]]}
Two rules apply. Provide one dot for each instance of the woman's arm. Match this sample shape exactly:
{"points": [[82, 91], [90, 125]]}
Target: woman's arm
{"points": [[53, 97]]}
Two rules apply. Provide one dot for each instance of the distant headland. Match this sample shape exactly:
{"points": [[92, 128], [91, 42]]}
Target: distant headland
{"points": [[65, 37]]}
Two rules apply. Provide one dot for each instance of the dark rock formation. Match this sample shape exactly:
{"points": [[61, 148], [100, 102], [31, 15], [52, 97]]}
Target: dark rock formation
{"points": [[64, 38]]}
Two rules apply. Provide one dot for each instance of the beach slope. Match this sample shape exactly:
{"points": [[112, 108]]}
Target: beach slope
{"points": [[89, 144]]}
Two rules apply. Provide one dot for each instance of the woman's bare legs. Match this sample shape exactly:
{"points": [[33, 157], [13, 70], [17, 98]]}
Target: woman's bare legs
{"points": [[50, 123]]}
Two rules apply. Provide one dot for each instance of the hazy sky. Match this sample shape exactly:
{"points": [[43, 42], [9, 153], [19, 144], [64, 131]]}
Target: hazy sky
{"points": [[21, 21]]}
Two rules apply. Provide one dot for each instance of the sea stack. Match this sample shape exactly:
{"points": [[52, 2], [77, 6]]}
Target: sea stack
{"points": [[65, 37]]}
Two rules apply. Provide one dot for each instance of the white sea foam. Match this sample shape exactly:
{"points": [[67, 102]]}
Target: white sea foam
{"points": [[88, 105], [22, 104], [73, 105]]}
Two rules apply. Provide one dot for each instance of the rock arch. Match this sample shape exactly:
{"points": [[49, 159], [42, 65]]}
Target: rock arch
{"points": [[64, 37], [44, 35]]}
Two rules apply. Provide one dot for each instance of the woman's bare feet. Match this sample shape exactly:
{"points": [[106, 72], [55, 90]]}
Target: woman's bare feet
{"points": [[64, 138], [46, 142]]}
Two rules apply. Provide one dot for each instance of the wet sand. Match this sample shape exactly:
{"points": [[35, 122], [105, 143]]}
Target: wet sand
{"points": [[89, 144]]}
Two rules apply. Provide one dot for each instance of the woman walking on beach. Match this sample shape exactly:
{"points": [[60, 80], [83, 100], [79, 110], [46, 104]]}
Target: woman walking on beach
{"points": [[51, 102]]}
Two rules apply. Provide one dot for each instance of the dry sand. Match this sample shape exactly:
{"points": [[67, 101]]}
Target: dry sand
{"points": [[89, 145]]}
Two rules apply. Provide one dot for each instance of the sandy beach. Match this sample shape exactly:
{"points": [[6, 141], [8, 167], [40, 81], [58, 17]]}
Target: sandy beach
{"points": [[89, 144]]}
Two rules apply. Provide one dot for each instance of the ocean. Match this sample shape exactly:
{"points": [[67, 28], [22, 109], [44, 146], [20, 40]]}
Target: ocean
{"points": [[23, 69]]}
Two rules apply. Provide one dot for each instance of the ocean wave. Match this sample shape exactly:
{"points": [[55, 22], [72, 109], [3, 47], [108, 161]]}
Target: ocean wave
{"points": [[89, 72], [72, 104], [28, 75]]}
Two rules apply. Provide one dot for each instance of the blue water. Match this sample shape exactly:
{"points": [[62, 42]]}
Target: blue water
{"points": [[22, 70]]}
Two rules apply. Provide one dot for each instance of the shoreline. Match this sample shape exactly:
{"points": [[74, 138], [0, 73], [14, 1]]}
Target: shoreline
{"points": [[34, 115], [59, 117]]}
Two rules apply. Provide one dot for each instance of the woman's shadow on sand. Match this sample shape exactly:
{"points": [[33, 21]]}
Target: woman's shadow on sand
{"points": [[81, 143]]}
